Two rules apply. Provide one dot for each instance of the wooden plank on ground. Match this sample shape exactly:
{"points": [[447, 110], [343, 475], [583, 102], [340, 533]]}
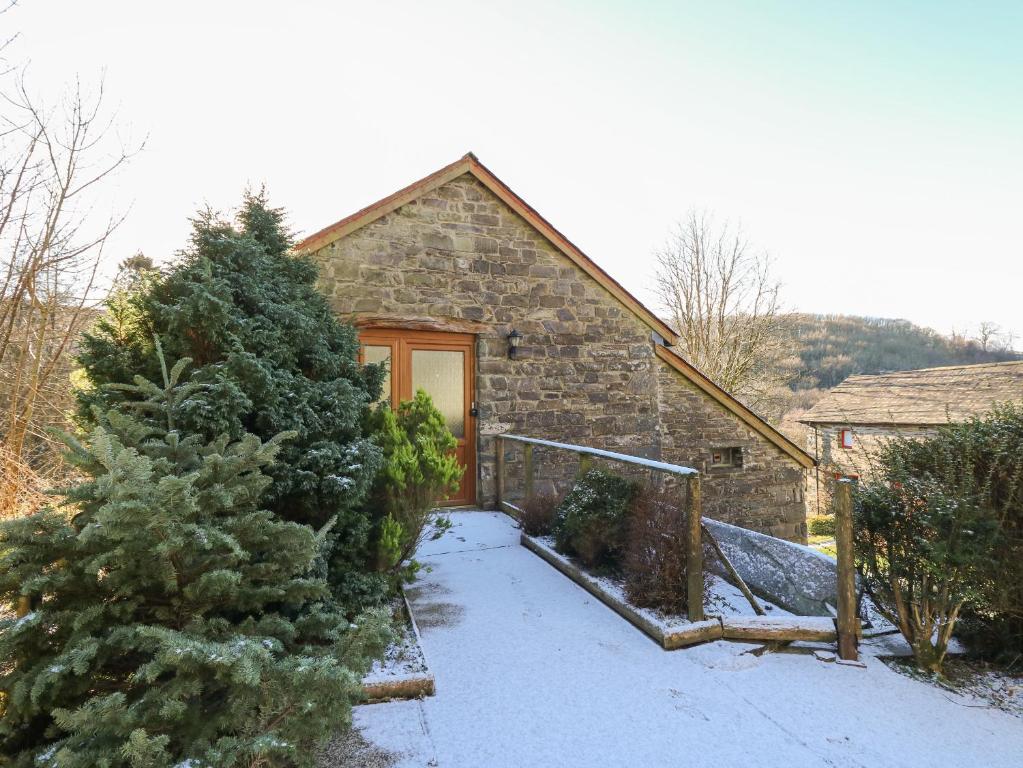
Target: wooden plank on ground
{"points": [[779, 628]]}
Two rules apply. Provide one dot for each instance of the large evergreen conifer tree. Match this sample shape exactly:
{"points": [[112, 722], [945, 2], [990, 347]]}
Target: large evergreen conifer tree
{"points": [[173, 621], [272, 357]]}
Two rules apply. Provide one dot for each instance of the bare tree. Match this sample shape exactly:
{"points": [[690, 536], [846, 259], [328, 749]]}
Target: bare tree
{"points": [[721, 297], [53, 161], [5, 41], [992, 338]]}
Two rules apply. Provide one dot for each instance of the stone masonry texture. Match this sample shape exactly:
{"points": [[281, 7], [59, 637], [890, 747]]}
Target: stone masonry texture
{"points": [[586, 371]]}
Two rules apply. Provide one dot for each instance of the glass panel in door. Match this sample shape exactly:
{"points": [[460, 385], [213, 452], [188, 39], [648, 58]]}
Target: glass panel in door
{"points": [[441, 374], [372, 353]]}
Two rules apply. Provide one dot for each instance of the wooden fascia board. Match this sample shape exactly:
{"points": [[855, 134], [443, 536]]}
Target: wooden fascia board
{"points": [[760, 426], [469, 164], [383, 207]]}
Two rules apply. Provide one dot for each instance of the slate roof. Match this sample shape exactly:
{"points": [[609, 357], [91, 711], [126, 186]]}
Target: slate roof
{"points": [[927, 397]]}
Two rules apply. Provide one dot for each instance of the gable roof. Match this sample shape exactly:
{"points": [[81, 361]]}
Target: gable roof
{"points": [[471, 165], [925, 397], [758, 424]]}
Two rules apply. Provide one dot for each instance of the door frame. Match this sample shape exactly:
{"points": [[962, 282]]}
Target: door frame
{"points": [[402, 341]]}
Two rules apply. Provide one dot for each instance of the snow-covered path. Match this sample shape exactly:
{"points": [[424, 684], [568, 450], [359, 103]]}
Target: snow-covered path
{"points": [[533, 671]]}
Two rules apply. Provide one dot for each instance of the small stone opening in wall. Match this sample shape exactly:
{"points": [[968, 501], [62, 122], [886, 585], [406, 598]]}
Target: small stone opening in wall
{"points": [[726, 457]]}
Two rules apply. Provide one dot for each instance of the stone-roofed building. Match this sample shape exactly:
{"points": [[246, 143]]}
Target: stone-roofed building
{"points": [[851, 420], [442, 278]]}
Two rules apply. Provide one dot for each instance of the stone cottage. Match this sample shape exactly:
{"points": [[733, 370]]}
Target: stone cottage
{"points": [[469, 293], [852, 420]]}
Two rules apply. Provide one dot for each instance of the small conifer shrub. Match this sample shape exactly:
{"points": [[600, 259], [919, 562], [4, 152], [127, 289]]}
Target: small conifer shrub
{"points": [[419, 469], [592, 520], [173, 620], [271, 357]]}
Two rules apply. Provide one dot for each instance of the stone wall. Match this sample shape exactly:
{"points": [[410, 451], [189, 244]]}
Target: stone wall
{"points": [[764, 494], [585, 372], [825, 442]]}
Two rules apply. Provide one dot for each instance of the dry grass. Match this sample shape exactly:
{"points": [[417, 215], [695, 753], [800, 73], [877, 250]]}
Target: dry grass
{"points": [[655, 558], [537, 514], [350, 750], [22, 490]]}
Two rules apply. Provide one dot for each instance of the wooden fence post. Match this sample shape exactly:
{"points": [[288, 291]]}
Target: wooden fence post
{"points": [[848, 620], [694, 549], [585, 462], [527, 466], [499, 471]]}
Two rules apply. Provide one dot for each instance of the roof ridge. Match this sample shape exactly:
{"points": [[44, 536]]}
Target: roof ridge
{"points": [[961, 366], [920, 396], [471, 164]]}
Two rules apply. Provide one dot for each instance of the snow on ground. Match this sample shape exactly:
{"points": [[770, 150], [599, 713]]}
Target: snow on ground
{"points": [[404, 659], [721, 598], [532, 670], [726, 599]]}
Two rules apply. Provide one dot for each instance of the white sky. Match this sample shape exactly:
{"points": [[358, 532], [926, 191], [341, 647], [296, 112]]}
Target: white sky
{"points": [[877, 155]]}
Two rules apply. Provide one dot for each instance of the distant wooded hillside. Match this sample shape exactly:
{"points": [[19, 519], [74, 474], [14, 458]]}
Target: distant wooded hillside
{"points": [[831, 347]]}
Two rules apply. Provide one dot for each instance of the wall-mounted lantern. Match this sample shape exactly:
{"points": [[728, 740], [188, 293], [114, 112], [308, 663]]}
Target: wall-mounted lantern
{"points": [[514, 339]]}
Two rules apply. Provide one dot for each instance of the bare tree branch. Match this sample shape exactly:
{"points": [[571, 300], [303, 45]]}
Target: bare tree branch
{"points": [[723, 301], [53, 161]]}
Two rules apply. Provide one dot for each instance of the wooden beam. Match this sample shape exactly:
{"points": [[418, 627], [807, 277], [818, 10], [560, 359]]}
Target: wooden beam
{"points": [[848, 620], [499, 469], [527, 468], [694, 549], [781, 628], [733, 574], [366, 321], [585, 462]]}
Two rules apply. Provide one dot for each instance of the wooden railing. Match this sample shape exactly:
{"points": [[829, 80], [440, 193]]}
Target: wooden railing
{"points": [[693, 503], [848, 621]]}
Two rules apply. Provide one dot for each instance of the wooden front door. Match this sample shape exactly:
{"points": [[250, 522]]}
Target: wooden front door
{"points": [[441, 364]]}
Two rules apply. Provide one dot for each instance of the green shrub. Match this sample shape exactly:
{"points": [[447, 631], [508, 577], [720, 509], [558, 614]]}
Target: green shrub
{"points": [[925, 532], [420, 469], [537, 514], [173, 620], [270, 356], [592, 520], [822, 526], [988, 451]]}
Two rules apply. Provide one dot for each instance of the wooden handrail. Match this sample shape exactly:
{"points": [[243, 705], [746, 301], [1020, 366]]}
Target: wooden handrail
{"points": [[847, 622], [660, 466], [693, 505]]}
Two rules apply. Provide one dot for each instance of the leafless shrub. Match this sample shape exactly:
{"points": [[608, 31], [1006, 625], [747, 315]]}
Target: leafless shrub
{"points": [[24, 489], [537, 514], [655, 558], [53, 161]]}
